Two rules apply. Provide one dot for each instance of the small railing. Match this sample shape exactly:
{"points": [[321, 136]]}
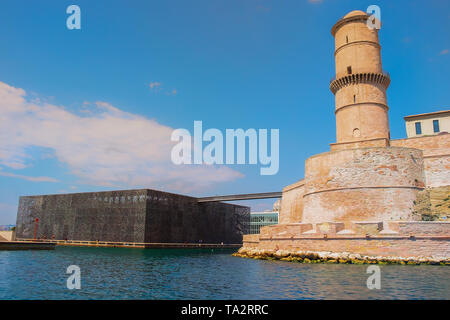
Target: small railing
{"points": [[131, 244]]}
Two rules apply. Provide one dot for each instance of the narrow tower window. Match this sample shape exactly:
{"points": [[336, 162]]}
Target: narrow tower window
{"points": [[346, 38], [436, 125], [418, 128], [354, 98], [349, 70]]}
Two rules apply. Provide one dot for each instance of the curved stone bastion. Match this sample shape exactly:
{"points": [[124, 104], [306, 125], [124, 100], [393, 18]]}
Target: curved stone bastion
{"points": [[364, 184]]}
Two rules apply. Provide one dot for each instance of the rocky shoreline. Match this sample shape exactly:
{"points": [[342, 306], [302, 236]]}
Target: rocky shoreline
{"points": [[334, 257]]}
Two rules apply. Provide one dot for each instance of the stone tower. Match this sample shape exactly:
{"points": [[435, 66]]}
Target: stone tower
{"points": [[363, 177], [360, 84]]}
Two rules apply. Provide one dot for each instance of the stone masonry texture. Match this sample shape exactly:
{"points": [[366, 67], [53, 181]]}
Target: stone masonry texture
{"points": [[362, 184]]}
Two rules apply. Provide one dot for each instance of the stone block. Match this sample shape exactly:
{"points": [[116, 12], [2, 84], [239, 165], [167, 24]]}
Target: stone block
{"points": [[367, 227], [330, 228]]}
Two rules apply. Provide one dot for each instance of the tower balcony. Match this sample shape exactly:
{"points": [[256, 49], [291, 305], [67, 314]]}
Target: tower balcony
{"points": [[355, 78]]}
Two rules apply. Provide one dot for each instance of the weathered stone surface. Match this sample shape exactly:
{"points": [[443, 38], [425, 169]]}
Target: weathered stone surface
{"points": [[436, 154], [306, 256], [433, 204], [412, 239], [367, 184], [440, 202], [292, 203]]}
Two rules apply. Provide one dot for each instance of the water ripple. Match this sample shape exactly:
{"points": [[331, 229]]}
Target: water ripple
{"points": [[115, 273]]}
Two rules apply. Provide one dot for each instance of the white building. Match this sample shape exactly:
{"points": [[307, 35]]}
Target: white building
{"points": [[426, 124]]}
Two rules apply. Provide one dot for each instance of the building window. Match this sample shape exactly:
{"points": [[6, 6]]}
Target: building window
{"points": [[261, 219], [346, 38], [418, 128], [349, 70], [436, 125], [354, 98]]}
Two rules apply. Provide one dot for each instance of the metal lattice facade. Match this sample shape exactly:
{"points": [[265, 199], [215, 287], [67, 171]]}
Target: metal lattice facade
{"points": [[130, 216]]}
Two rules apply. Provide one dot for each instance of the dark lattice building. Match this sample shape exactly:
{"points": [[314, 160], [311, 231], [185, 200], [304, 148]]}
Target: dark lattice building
{"points": [[143, 215]]}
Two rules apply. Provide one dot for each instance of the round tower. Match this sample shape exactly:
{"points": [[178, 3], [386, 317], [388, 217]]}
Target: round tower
{"points": [[360, 84]]}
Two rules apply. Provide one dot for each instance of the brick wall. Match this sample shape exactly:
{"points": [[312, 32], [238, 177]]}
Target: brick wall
{"points": [[421, 228], [405, 238], [374, 247]]}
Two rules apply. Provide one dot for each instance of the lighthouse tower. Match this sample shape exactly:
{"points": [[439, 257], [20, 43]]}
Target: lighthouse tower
{"points": [[360, 84]]}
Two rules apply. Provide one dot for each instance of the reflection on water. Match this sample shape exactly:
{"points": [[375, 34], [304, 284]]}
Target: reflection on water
{"points": [[114, 273]]}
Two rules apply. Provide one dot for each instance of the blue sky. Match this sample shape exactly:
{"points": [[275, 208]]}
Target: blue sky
{"points": [[89, 119]]}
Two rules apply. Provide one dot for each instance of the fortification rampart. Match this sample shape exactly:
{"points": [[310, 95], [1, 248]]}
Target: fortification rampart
{"points": [[292, 203], [436, 155], [400, 241]]}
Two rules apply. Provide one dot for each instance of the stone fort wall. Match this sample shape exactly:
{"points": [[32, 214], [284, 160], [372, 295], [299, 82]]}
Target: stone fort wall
{"points": [[352, 182], [410, 240], [292, 203], [436, 155], [362, 184], [356, 185]]}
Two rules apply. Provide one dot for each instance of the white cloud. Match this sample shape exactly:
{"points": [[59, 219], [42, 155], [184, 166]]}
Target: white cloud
{"points": [[103, 147], [28, 178], [158, 87], [154, 85]]}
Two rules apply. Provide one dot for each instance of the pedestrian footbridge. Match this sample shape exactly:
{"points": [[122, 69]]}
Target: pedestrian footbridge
{"points": [[248, 196]]}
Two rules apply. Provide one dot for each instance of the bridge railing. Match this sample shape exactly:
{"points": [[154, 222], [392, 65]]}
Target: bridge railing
{"points": [[248, 196]]}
